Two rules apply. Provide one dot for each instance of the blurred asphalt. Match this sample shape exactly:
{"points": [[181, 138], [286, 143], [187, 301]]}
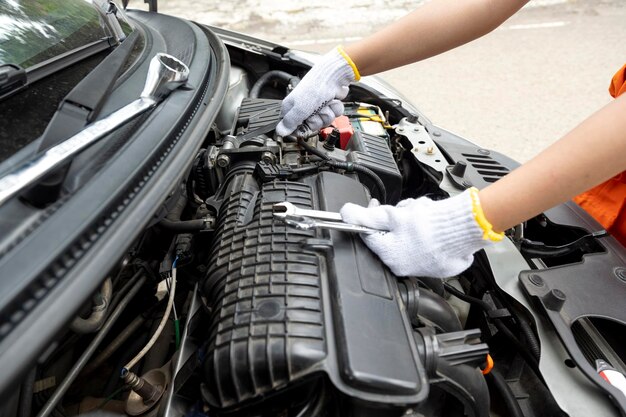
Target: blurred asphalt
{"points": [[516, 90]]}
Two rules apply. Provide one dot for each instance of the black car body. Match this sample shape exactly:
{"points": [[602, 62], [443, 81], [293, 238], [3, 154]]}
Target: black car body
{"points": [[274, 321]]}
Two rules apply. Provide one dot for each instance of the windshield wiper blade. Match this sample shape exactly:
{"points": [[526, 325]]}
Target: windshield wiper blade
{"points": [[165, 74], [80, 107]]}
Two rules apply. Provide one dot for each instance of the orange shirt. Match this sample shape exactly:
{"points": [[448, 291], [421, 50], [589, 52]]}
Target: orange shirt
{"points": [[607, 202]]}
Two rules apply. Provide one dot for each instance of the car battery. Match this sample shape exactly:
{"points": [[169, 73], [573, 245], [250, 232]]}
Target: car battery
{"points": [[357, 117], [373, 152], [363, 139], [367, 118]]}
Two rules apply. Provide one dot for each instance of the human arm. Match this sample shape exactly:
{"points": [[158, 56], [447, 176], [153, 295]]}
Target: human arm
{"points": [[431, 29], [436, 27], [438, 238], [592, 152]]}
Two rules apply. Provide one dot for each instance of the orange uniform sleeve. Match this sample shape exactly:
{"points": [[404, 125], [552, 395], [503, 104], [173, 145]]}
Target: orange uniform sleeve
{"points": [[618, 83], [607, 202]]}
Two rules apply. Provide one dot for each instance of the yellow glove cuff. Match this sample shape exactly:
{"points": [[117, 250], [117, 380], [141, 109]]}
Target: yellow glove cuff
{"points": [[357, 75], [479, 216]]}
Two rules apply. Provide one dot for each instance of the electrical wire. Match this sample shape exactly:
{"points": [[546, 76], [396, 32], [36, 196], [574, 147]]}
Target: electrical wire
{"points": [[348, 166], [528, 356], [176, 319], [506, 394], [138, 280], [157, 333]]}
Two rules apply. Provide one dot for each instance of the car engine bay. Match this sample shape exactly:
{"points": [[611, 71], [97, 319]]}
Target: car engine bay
{"points": [[221, 309]]}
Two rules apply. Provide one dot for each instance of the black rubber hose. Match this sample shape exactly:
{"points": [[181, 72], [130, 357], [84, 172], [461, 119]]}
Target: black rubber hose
{"points": [[172, 220], [467, 384], [435, 309], [532, 361], [429, 306], [266, 79], [355, 167], [199, 178], [531, 339], [313, 150], [306, 169], [26, 394], [183, 226], [507, 396], [350, 167], [435, 284]]}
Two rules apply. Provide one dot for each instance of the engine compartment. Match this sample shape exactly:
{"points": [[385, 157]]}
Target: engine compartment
{"points": [[229, 312], [309, 308]]}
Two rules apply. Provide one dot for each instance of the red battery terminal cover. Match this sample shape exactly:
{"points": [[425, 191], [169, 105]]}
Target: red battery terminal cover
{"points": [[341, 123]]}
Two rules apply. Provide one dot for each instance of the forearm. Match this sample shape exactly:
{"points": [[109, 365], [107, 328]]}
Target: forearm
{"points": [[434, 28], [591, 153]]}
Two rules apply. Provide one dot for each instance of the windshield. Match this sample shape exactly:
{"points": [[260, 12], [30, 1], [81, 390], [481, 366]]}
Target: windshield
{"points": [[33, 31]]}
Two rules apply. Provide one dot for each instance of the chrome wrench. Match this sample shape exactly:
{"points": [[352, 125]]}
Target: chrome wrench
{"points": [[287, 209], [306, 219], [165, 74]]}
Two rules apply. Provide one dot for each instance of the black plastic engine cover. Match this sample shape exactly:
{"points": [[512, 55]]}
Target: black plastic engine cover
{"points": [[255, 113], [290, 305], [373, 152]]}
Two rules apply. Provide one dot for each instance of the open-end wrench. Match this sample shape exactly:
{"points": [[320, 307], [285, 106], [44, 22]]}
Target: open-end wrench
{"points": [[286, 209], [308, 223], [305, 219]]}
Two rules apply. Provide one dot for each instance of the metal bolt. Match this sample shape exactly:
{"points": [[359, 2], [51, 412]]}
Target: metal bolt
{"points": [[400, 129], [268, 157], [430, 150], [436, 133], [416, 149], [223, 161], [536, 280], [483, 151]]}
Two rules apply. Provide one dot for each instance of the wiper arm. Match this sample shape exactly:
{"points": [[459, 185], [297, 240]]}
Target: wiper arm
{"points": [[81, 106], [12, 77], [165, 74]]}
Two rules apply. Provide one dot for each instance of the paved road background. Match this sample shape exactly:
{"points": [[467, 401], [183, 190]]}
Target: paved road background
{"points": [[516, 90]]}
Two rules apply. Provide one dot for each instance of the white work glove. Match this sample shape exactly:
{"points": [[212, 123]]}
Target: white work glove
{"points": [[316, 99], [426, 238]]}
